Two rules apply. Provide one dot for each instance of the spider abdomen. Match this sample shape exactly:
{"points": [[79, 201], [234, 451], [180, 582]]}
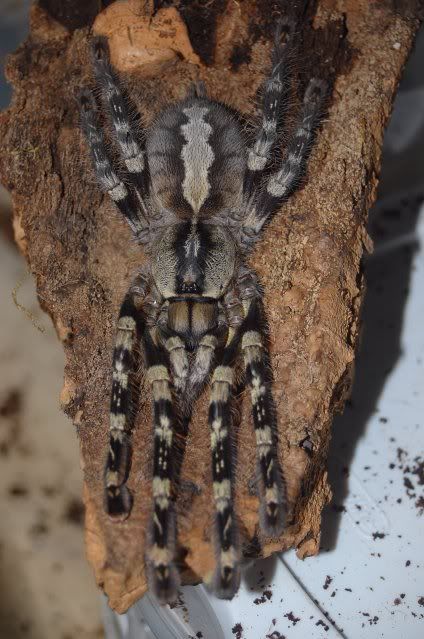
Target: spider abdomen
{"points": [[197, 159]]}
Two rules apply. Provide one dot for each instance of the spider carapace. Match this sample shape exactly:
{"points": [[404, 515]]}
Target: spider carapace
{"points": [[196, 193]]}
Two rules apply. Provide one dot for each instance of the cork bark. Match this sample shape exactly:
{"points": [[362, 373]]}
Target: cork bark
{"points": [[309, 261]]}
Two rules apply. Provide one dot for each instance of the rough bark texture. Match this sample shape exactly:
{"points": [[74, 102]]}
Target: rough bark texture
{"points": [[309, 261]]}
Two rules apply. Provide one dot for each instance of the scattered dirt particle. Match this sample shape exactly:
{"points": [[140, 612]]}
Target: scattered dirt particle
{"points": [[237, 630], [328, 581], [49, 491], [199, 635], [378, 535], [407, 563], [324, 625], [10, 411], [418, 469], [75, 511], [266, 596], [275, 635], [419, 504], [39, 529], [401, 454], [408, 485], [12, 404], [421, 601], [18, 490], [291, 617], [397, 601]]}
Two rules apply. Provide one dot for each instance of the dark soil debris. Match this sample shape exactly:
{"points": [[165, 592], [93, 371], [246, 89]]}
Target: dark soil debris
{"points": [[291, 617], [75, 511], [420, 505], [320, 622], [237, 630], [328, 581], [266, 596], [378, 535], [18, 490]]}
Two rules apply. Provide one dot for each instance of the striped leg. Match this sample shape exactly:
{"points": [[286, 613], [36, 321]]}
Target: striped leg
{"points": [[118, 499], [126, 134], [227, 574], [282, 182], [271, 487], [163, 575], [274, 92], [107, 177]]}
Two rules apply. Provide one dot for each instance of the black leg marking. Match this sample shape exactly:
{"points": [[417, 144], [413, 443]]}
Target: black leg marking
{"points": [[163, 575], [107, 177]]}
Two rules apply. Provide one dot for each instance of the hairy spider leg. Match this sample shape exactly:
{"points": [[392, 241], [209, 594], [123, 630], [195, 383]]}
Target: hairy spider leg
{"points": [[271, 486], [118, 500], [162, 573], [126, 133], [282, 182], [107, 177], [275, 90], [227, 574]]}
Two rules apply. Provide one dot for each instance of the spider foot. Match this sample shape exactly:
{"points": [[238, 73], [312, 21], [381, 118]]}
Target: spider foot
{"points": [[100, 49], [163, 579], [226, 580], [118, 502], [315, 91], [272, 518]]}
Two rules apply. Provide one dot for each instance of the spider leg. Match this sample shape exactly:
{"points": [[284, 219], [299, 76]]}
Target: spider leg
{"points": [[227, 574], [163, 575], [271, 486], [275, 89], [109, 180], [131, 150], [282, 182], [118, 499], [255, 355]]}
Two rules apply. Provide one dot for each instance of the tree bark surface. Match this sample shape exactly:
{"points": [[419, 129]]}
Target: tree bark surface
{"points": [[309, 261]]}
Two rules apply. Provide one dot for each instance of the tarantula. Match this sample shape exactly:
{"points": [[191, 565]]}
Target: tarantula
{"points": [[197, 195]]}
